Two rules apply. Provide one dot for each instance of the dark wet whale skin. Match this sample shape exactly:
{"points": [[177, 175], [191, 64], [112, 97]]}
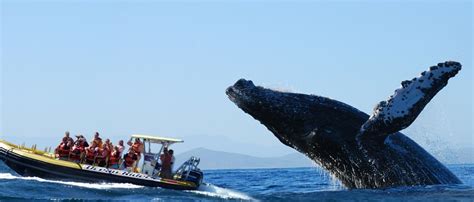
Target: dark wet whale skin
{"points": [[325, 130]]}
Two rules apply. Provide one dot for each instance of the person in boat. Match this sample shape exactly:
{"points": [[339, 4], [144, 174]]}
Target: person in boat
{"points": [[70, 143], [136, 147], [120, 147], [97, 140], [64, 147], [103, 154], [108, 145], [117, 151], [129, 160], [91, 152], [67, 137], [171, 152], [94, 150], [79, 148], [114, 160], [166, 163], [82, 140]]}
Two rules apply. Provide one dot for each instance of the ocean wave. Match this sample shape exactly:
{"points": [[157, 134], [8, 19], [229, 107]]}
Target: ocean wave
{"points": [[9, 176]]}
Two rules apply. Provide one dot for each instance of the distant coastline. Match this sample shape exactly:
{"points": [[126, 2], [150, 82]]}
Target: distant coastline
{"points": [[221, 160], [212, 160]]}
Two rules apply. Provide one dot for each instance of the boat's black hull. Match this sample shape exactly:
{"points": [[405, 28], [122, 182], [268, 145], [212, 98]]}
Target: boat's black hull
{"points": [[31, 167]]}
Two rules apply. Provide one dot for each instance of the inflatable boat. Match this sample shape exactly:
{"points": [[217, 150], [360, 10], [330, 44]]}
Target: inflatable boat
{"points": [[43, 164]]}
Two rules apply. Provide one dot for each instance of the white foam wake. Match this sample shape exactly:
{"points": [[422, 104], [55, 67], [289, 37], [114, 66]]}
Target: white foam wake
{"points": [[9, 176], [215, 191], [204, 189]]}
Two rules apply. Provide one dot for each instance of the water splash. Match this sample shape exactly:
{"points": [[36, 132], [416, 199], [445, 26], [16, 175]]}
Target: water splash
{"points": [[215, 191], [9, 176], [334, 183]]}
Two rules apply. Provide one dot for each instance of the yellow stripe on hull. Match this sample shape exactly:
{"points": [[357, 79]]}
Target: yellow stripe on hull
{"points": [[37, 155]]}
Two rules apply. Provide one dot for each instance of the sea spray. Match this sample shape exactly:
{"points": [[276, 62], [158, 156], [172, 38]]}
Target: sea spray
{"points": [[334, 183], [215, 191]]}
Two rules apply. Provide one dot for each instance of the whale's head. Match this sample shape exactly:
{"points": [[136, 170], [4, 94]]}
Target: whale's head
{"points": [[311, 124]]}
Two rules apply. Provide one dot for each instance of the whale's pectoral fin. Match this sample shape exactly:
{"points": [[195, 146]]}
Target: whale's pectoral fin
{"points": [[402, 108]]}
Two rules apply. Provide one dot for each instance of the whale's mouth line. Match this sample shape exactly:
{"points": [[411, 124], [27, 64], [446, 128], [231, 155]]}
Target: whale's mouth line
{"points": [[232, 94], [240, 92], [236, 96]]}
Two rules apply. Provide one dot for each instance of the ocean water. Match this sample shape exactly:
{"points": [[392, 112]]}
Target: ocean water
{"points": [[296, 184]]}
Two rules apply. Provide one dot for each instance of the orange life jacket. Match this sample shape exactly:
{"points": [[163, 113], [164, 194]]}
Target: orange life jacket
{"points": [[136, 147], [98, 142]]}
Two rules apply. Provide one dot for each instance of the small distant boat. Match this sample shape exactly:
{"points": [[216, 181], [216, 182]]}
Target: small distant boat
{"points": [[32, 162]]}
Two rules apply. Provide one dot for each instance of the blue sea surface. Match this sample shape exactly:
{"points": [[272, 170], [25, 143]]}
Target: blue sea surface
{"points": [[279, 184]]}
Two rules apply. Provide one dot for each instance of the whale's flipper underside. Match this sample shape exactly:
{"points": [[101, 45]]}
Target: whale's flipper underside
{"points": [[402, 108]]}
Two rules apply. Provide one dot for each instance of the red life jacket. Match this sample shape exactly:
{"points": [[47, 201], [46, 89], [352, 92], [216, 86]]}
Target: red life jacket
{"points": [[90, 154], [101, 153], [114, 158], [63, 153], [76, 152], [78, 149], [109, 149], [63, 150]]}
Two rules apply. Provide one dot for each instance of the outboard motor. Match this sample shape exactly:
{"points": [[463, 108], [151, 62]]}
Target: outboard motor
{"points": [[193, 176]]}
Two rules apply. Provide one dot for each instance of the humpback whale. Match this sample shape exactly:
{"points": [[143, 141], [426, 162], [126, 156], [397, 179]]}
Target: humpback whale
{"points": [[361, 151]]}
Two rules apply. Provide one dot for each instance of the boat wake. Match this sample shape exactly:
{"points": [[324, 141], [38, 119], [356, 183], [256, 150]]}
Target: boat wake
{"points": [[9, 176], [215, 191], [205, 190]]}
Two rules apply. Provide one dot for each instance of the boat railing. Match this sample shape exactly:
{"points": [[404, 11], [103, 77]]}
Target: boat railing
{"points": [[31, 149], [184, 170]]}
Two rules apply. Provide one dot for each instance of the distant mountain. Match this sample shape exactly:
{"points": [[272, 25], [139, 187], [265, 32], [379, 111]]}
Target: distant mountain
{"points": [[211, 159]]}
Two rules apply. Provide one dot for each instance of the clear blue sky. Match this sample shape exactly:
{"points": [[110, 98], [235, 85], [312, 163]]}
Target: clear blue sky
{"points": [[162, 67]]}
